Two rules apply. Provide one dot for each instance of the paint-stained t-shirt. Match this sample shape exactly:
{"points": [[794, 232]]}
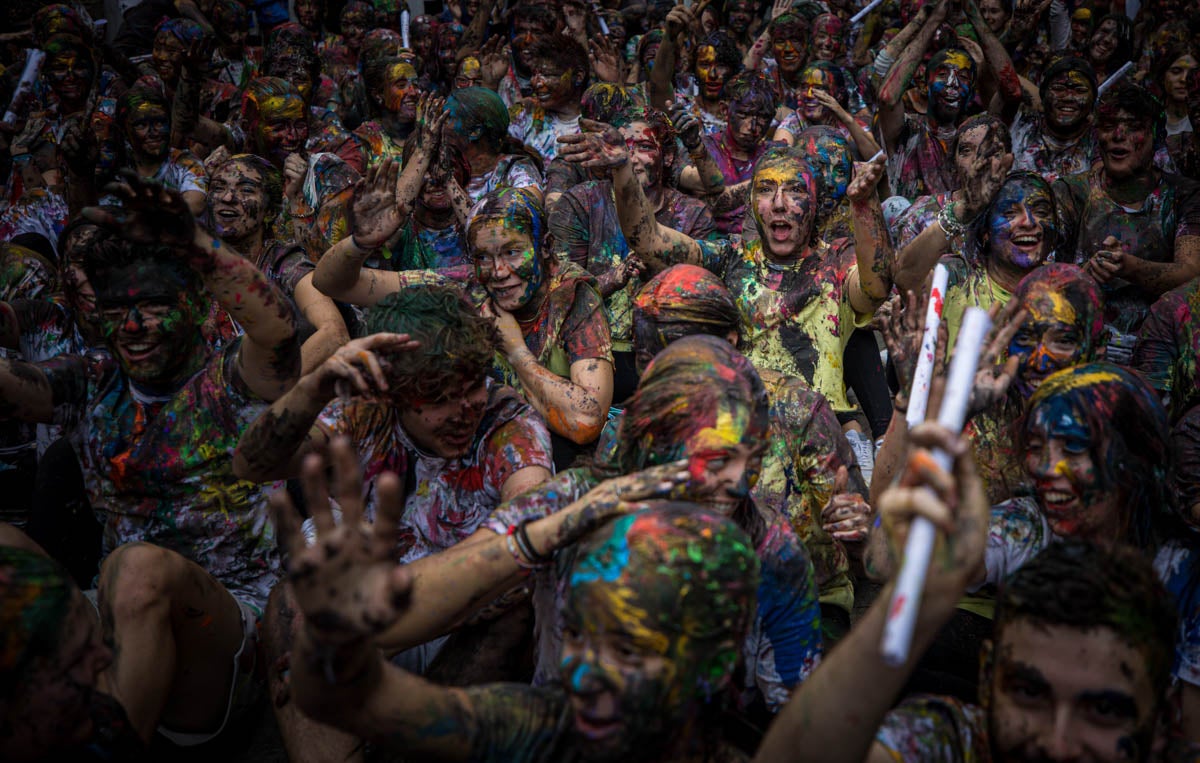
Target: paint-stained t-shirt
{"points": [[796, 319], [445, 500], [968, 286], [531, 125], [161, 470], [930, 728], [1038, 152], [919, 165], [784, 643], [1169, 344]]}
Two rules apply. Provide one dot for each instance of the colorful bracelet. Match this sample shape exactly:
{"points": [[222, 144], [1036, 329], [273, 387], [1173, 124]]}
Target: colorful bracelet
{"points": [[949, 224], [510, 544], [527, 547]]}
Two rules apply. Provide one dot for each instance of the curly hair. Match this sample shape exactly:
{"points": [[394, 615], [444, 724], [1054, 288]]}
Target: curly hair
{"points": [[725, 48], [457, 344], [752, 89], [564, 50], [272, 179]]}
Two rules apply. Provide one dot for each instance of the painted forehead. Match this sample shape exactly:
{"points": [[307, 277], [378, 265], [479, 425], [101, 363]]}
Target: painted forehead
{"points": [[289, 105], [1023, 189], [239, 170], [400, 71], [828, 23], [954, 59], [784, 168]]}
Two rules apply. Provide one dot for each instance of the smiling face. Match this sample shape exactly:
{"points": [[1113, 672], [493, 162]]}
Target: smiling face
{"points": [[1069, 101], [1050, 339], [1126, 143], [739, 16], [168, 54], [645, 154], [150, 322], [308, 13], [446, 427], [401, 96], [506, 263], [1104, 43], [783, 194], [710, 75], [995, 15], [826, 41], [282, 127], [1061, 693], [525, 32], [237, 201], [1175, 79], [70, 73], [554, 85], [813, 79], [951, 86], [148, 130], [788, 43], [355, 25], [748, 125], [1021, 228]]}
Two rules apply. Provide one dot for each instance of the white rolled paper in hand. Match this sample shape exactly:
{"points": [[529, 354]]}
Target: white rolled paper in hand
{"points": [[918, 396], [863, 13], [405, 20], [29, 75], [1116, 77], [906, 599]]}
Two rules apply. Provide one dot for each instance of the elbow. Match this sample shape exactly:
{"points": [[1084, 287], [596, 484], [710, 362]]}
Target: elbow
{"points": [[580, 428]]}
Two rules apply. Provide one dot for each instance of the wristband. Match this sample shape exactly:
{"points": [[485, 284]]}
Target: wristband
{"points": [[527, 546], [884, 63], [949, 223], [360, 248], [511, 544]]}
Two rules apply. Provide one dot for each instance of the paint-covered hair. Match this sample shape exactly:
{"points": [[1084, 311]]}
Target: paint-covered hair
{"points": [[258, 92], [546, 15], [518, 209], [695, 384], [790, 25], [1080, 291], [35, 598], [478, 114], [115, 253], [58, 18], [693, 573], [1121, 411], [751, 89], [1085, 586], [725, 49], [1135, 100], [564, 50], [184, 30], [938, 58], [272, 179], [147, 90], [978, 238], [358, 8], [682, 300], [839, 90], [1062, 65], [457, 344], [793, 156]]}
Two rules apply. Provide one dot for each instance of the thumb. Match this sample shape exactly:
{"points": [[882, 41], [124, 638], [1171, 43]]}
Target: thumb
{"points": [[591, 125]]}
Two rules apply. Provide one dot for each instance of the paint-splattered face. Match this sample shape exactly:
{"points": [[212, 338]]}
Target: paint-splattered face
{"points": [[788, 43], [53, 709], [355, 25], [1081, 31], [149, 321], [995, 15], [308, 13], [724, 469], [282, 127], [1070, 98], [237, 201], [554, 85], [739, 16], [1060, 693], [148, 131], [748, 125], [1126, 142], [1175, 79], [951, 86], [469, 74], [1021, 227], [784, 197], [645, 153], [1075, 497], [168, 54], [813, 79], [402, 93], [70, 73], [831, 159], [525, 32], [446, 427], [448, 38], [710, 75], [292, 69], [1104, 42], [979, 142], [506, 263], [1050, 339], [826, 40]]}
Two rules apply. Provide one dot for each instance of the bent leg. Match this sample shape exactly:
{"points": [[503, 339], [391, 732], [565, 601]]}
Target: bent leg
{"points": [[174, 631]]}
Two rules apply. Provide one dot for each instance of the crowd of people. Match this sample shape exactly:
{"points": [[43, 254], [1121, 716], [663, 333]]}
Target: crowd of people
{"points": [[530, 381]]}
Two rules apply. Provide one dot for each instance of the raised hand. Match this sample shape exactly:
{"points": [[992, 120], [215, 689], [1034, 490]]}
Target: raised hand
{"points": [[901, 322], [866, 176], [687, 126], [374, 214], [1108, 262], [607, 63], [829, 102], [431, 116], [992, 380], [198, 57], [597, 146], [679, 21], [847, 516], [620, 495], [150, 212], [295, 168], [360, 366], [346, 584], [493, 61]]}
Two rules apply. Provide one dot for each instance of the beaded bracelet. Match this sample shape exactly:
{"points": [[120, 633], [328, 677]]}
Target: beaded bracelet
{"points": [[949, 224]]}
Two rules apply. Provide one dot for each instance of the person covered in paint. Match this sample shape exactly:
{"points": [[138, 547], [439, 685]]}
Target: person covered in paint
{"points": [[478, 128], [1058, 139], [786, 40], [982, 155], [808, 470], [555, 345], [558, 76], [50, 667], [799, 296], [1168, 347], [646, 659], [1171, 77], [584, 227], [1135, 228], [154, 423], [1111, 45], [716, 61], [513, 78], [700, 401], [144, 118], [822, 100], [245, 195], [339, 52], [391, 93], [916, 143]]}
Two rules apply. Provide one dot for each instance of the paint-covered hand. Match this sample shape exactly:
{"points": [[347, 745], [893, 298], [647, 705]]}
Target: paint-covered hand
{"points": [[687, 126], [347, 585], [358, 367], [198, 58], [607, 63], [993, 378], [899, 320], [955, 504], [631, 267], [780, 7], [597, 147], [374, 214], [1108, 262], [150, 213], [866, 176], [618, 496], [431, 116], [847, 516], [493, 62], [679, 20], [295, 167], [511, 338], [831, 103], [983, 182]]}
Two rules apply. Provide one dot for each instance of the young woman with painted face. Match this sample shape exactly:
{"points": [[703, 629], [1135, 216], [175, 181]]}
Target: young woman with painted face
{"points": [[1058, 140], [1111, 45], [1171, 77], [1135, 228], [392, 92], [340, 52], [822, 100], [558, 67], [716, 60], [799, 295], [555, 343]]}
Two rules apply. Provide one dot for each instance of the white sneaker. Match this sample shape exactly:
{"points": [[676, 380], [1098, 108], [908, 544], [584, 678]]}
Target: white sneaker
{"points": [[864, 452]]}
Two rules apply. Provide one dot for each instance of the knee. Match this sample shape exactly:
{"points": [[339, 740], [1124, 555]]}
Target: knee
{"points": [[137, 580]]}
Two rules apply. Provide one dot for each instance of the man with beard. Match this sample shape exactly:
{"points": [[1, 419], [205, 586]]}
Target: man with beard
{"points": [[1058, 140], [918, 163], [558, 77]]}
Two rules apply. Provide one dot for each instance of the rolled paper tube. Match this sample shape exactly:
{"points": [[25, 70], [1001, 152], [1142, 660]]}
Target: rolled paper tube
{"points": [[1116, 76], [863, 13], [878, 155], [405, 18], [918, 396], [918, 549], [29, 75], [600, 19]]}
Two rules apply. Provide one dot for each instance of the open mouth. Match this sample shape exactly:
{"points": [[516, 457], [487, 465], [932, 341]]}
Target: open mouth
{"points": [[226, 215], [1119, 154], [593, 727], [136, 352], [1028, 242], [1057, 501], [780, 231]]}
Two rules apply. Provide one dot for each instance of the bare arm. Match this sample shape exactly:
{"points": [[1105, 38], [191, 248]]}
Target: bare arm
{"points": [[871, 283], [1008, 85], [323, 314], [891, 107], [918, 258]]}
